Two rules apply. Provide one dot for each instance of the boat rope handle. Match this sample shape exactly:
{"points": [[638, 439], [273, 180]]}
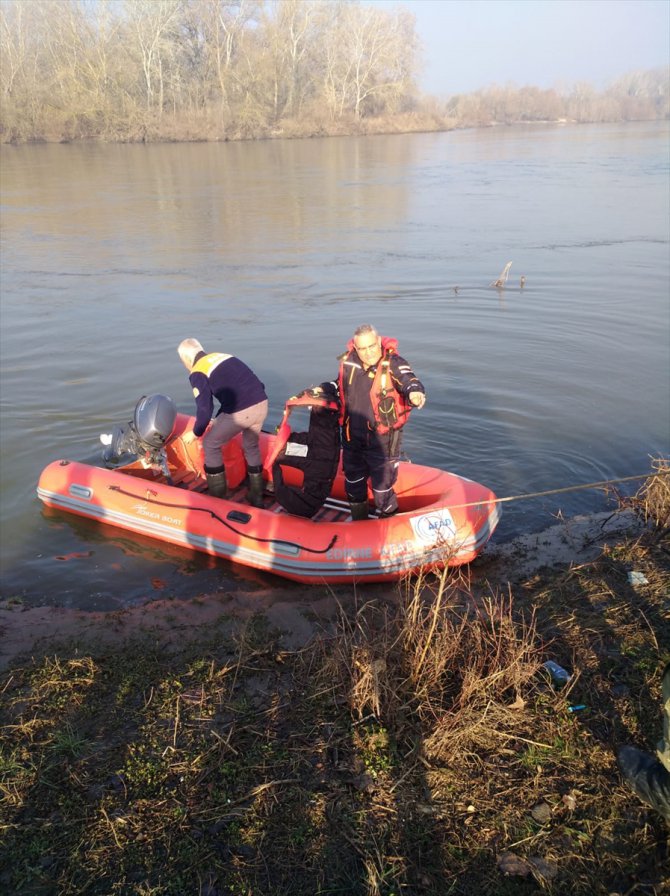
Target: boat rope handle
{"points": [[568, 488], [150, 500]]}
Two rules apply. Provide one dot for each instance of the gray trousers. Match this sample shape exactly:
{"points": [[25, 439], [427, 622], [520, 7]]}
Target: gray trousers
{"points": [[249, 422]]}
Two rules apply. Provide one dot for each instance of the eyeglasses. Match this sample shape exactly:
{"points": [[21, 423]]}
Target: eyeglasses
{"points": [[366, 349]]}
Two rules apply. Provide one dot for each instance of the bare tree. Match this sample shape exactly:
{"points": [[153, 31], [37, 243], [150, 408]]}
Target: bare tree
{"points": [[370, 54], [151, 24], [13, 48], [249, 68], [224, 24], [296, 27], [23, 59]]}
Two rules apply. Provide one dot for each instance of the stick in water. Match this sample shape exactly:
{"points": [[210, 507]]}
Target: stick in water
{"points": [[502, 279]]}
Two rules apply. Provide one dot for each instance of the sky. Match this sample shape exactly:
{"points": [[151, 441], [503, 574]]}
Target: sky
{"points": [[470, 44]]}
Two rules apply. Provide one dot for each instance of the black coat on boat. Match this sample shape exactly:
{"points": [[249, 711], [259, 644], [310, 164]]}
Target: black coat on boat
{"points": [[315, 452]]}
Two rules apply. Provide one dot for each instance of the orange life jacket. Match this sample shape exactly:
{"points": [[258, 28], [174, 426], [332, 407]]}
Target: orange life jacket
{"points": [[390, 408]]}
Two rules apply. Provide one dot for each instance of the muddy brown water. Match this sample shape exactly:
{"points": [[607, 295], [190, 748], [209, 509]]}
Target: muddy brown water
{"points": [[275, 251]]}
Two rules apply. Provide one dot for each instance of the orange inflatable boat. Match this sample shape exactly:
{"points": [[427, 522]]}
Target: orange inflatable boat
{"points": [[443, 519]]}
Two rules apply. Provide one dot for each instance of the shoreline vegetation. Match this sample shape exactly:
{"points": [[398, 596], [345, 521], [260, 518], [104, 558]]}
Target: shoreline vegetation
{"points": [[217, 70], [376, 742]]}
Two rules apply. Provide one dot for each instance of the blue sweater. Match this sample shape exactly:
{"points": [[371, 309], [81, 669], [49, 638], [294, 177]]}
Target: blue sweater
{"points": [[224, 377]]}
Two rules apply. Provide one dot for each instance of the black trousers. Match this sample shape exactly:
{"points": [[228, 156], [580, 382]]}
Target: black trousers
{"points": [[375, 459]]}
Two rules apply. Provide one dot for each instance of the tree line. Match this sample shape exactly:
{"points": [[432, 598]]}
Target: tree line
{"points": [[238, 69]]}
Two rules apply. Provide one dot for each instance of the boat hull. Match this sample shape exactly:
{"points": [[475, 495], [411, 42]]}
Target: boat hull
{"points": [[444, 519]]}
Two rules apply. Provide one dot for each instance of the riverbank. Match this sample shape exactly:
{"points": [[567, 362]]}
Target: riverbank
{"points": [[419, 122], [293, 610], [383, 741]]}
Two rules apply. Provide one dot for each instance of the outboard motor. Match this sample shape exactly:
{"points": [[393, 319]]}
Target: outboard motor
{"points": [[145, 437]]}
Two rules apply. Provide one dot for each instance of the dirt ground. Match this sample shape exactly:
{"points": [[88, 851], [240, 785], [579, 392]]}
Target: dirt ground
{"points": [[375, 741]]}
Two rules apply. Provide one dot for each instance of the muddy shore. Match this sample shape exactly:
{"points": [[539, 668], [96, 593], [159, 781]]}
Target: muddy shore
{"points": [[298, 611]]}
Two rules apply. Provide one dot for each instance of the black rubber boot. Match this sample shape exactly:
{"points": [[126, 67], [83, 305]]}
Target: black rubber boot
{"points": [[391, 506], [256, 486], [217, 485], [648, 777], [359, 510], [664, 745]]}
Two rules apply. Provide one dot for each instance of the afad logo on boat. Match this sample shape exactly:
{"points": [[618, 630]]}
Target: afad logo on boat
{"points": [[434, 527]]}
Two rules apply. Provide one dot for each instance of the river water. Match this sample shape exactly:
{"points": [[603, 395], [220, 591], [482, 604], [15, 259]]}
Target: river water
{"points": [[276, 251]]}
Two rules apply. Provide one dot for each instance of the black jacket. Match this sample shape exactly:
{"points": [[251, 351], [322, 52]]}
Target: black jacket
{"points": [[315, 452]]}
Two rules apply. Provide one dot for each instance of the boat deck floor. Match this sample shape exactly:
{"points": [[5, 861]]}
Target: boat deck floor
{"points": [[333, 510]]}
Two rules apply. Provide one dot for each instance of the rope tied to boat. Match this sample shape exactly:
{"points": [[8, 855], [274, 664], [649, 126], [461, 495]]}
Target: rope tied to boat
{"points": [[152, 500], [604, 483]]}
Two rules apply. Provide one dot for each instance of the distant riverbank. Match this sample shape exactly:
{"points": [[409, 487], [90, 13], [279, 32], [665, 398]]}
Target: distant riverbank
{"points": [[415, 123]]}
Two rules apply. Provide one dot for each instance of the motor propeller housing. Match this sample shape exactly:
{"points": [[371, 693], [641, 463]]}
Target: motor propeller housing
{"points": [[145, 436]]}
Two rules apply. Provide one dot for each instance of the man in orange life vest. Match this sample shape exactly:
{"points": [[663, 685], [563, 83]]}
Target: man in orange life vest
{"points": [[244, 407], [377, 389]]}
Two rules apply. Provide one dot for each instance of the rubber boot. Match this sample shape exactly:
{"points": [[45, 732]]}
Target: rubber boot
{"points": [[217, 485], [391, 506], [663, 749], [256, 486], [359, 510], [648, 777], [388, 511]]}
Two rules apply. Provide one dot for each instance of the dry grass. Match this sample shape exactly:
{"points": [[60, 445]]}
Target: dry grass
{"points": [[438, 660], [417, 747], [652, 501]]}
